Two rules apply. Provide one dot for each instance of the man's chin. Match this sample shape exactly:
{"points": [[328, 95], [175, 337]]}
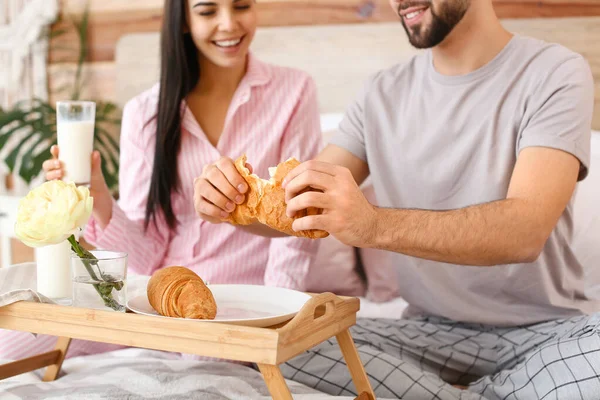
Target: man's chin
{"points": [[425, 37], [416, 38], [419, 42]]}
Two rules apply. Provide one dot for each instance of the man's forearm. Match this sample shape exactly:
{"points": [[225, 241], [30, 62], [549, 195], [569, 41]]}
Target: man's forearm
{"points": [[501, 232]]}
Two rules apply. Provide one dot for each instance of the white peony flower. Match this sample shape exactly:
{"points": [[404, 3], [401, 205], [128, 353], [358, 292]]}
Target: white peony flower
{"points": [[52, 212]]}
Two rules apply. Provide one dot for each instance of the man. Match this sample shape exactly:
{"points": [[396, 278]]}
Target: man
{"points": [[475, 148]]}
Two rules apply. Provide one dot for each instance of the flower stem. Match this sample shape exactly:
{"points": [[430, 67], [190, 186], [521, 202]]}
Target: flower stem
{"points": [[103, 288]]}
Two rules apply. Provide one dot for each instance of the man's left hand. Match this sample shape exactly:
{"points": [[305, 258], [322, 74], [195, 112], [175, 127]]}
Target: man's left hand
{"points": [[347, 214]]}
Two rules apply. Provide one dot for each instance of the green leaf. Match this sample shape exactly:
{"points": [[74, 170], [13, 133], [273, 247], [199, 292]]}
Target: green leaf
{"points": [[61, 88], [31, 165], [111, 176], [111, 179], [38, 161], [9, 117], [104, 135], [57, 33], [11, 159], [82, 33], [4, 137], [111, 140], [101, 139], [104, 109]]}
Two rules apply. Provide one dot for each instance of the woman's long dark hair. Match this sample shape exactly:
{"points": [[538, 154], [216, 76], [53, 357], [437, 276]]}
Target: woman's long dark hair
{"points": [[179, 74]]}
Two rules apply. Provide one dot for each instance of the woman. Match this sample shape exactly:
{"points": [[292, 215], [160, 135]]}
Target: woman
{"points": [[214, 102]]}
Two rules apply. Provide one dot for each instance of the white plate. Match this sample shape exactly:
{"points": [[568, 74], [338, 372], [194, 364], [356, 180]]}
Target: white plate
{"points": [[250, 305]]}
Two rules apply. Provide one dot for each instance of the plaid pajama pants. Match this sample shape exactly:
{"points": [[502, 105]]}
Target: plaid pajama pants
{"points": [[423, 358]]}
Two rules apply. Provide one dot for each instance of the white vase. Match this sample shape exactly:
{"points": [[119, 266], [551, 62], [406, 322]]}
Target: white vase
{"points": [[54, 272]]}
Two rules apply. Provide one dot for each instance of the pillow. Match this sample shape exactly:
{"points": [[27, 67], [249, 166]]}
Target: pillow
{"points": [[378, 265], [586, 221], [330, 121], [332, 267], [329, 126], [335, 270]]}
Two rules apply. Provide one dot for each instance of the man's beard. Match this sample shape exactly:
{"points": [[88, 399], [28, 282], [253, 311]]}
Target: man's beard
{"points": [[442, 23]]}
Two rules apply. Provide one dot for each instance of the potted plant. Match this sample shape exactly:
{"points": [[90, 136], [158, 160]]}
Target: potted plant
{"points": [[28, 129]]}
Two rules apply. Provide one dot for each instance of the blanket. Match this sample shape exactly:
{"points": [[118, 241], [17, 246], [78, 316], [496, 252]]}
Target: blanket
{"points": [[132, 374]]}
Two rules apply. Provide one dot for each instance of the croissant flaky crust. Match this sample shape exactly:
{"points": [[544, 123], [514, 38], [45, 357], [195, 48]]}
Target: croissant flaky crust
{"points": [[265, 201], [180, 292]]}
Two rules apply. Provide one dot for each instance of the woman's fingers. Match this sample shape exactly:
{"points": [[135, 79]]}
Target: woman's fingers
{"points": [[210, 201], [53, 169], [54, 151], [51, 165], [216, 177], [234, 178], [218, 190]]}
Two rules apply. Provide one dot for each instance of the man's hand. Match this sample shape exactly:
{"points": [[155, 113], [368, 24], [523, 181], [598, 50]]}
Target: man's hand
{"points": [[507, 231], [347, 214]]}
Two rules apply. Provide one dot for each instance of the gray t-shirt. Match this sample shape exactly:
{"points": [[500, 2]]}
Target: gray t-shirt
{"points": [[446, 142]]}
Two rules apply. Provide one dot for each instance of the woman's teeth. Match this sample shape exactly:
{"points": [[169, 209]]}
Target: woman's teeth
{"points": [[228, 43]]}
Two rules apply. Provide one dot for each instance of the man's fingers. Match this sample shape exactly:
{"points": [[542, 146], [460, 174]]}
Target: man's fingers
{"points": [[311, 222], [308, 179], [227, 167], [313, 165], [306, 200]]}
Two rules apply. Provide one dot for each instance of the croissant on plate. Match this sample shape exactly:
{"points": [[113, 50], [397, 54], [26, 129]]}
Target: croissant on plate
{"points": [[265, 201], [179, 292]]}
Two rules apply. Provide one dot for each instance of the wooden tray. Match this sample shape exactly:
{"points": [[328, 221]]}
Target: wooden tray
{"points": [[322, 317]]}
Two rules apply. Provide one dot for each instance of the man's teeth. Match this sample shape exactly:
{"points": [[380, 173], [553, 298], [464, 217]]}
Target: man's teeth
{"points": [[414, 14], [228, 43]]}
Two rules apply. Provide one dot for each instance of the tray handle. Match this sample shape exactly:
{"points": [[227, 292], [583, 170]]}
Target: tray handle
{"points": [[319, 310]]}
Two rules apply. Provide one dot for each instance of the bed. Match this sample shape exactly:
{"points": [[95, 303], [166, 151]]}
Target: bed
{"points": [[139, 373], [147, 374], [339, 58]]}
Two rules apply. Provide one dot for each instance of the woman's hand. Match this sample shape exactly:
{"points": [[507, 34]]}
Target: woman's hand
{"points": [[218, 190], [98, 189]]}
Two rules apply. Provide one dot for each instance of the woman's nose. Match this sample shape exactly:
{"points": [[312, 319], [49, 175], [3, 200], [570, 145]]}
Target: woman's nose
{"points": [[227, 22]]}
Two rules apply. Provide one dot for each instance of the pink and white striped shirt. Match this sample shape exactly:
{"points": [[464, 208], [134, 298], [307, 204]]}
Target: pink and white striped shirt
{"points": [[273, 116]]}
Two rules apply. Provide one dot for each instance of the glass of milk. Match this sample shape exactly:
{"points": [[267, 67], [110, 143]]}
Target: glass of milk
{"points": [[53, 264], [75, 129]]}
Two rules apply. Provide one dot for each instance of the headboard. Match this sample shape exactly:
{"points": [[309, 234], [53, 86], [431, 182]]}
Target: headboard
{"points": [[341, 57]]}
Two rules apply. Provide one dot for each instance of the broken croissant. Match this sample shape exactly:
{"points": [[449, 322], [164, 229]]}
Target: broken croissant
{"points": [[265, 201], [180, 292]]}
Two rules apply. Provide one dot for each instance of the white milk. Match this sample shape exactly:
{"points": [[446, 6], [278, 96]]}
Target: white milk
{"points": [[53, 264], [76, 143]]}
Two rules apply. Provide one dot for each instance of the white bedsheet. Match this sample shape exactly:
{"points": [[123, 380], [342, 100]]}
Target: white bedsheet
{"points": [[146, 374], [391, 309]]}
